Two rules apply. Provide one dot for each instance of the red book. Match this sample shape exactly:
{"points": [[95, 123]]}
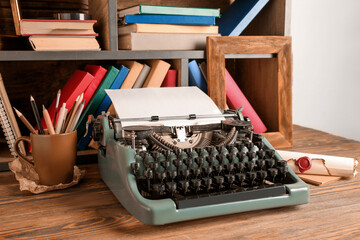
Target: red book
{"points": [[98, 72], [236, 99], [76, 85], [170, 79]]}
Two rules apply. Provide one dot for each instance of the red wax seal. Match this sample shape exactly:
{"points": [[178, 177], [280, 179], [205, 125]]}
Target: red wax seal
{"points": [[304, 164]]}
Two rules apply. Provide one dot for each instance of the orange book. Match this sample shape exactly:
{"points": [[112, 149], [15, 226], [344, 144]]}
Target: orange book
{"points": [[135, 69], [159, 69]]}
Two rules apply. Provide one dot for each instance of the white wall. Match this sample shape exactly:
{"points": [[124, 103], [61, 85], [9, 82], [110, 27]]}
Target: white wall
{"points": [[326, 70]]}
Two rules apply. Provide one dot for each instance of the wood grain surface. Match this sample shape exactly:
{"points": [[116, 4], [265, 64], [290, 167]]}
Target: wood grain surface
{"points": [[256, 78], [90, 211]]}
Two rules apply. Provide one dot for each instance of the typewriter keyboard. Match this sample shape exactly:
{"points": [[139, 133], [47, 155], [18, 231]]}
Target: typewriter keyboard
{"points": [[211, 175]]}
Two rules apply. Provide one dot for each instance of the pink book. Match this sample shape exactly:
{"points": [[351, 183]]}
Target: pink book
{"points": [[98, 72], [236, 99], [170, 79]]}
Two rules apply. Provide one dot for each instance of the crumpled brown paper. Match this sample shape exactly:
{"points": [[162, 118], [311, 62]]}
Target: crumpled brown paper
{"points": [[29, 179]]}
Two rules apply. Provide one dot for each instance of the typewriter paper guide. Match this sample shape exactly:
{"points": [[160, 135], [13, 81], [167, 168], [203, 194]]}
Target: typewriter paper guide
{"points": [[163, 102]]}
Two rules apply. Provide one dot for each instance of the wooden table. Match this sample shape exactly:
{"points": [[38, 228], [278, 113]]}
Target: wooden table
{"points": [[90, 211]]}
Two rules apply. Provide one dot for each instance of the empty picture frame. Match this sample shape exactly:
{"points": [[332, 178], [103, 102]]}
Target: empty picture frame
{"points": [[276, 113]]}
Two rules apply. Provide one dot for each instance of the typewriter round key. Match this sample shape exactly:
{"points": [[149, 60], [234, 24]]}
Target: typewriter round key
{"points": [[161, 176], [239, 166], [184, 185], [232, 157], [188, 162], [261, 154], [165, 164], [250, 166], [158, 188], [283, 171], [240, 178], [281, 163], [196, 184], [262, 175], [260, 163], [196, 172], [260, 145], [199, 161], [229, 179], [199, 150], [241, 156], [171, 187], [219, 169], [172, 174], [251, 176], [211, 160], [185, 173], [135, 166], [207, 170], [273, 172], [270, 153], [219, 181], [178, 163], [207, 182], [270, 162], [251, 155], [229, 167]]}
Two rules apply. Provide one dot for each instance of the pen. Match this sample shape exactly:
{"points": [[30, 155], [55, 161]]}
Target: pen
{"points": [[57, 105], [37, 115], [48, 121], [25, 121]]}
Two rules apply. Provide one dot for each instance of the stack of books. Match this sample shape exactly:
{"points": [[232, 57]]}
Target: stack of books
{"points": [[60, 35], [151, 27]]}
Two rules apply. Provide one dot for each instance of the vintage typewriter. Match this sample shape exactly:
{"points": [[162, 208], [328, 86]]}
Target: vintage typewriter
{"points": [[168, 168]]}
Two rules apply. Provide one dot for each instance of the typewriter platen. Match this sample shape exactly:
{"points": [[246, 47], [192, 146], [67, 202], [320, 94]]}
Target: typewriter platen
{"points": [[164, 173]]}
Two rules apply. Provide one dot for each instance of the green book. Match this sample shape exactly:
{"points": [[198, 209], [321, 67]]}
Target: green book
{"points": [[96, 100], [168, 10]]}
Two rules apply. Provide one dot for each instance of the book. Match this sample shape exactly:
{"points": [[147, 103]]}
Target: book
{"points": [[76, 85], [104, 105], [134, 72], [238, 16], [142, 76], [169, 19], [163, 41], [99, 73], [166, 28], [158, 71], [63, 43], [170, 79], [57, 27], [169, 10], [94, 103], [195, 77], [8, 121], [235, 98]]}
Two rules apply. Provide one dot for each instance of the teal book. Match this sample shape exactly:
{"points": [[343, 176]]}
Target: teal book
{"points": [[96, 100], [169, 10]]}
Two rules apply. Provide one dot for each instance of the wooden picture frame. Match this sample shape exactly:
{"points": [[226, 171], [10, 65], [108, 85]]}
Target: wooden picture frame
{"points": [[276, 112]]}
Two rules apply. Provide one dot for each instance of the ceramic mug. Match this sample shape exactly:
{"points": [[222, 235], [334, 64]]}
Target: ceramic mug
{"points": [[54, 156]]}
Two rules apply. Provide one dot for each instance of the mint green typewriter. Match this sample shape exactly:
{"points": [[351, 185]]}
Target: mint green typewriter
{"points": [[172, 156]]}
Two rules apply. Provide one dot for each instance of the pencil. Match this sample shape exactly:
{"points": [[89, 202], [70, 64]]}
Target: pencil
{"points": [[77, 116], [25, 121], [48, 121], [60, 120], [37, 115], [57, 105], [76, 107]]}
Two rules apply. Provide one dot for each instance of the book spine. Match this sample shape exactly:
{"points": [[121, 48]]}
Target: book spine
{"points": [[236, 99], [170, 19], [170, 79], [186, 11], [195, 77]]}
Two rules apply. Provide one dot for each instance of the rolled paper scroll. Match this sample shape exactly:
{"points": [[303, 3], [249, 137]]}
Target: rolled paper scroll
{"points": [[316, 164]]}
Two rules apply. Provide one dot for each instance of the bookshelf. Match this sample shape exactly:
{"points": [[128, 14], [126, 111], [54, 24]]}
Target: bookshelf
{"points": [[44, 72]]}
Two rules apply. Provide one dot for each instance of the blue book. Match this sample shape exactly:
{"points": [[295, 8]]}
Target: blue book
{"points": [[104, 105], [170, 19], [238, 16], [195, 77]]}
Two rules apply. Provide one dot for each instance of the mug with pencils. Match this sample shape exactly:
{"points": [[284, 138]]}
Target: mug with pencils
{"points": [[53, 151], [53, 156]]}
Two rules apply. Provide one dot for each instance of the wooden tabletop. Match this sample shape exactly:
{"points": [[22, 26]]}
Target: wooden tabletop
{"points": [[90, 211]]}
